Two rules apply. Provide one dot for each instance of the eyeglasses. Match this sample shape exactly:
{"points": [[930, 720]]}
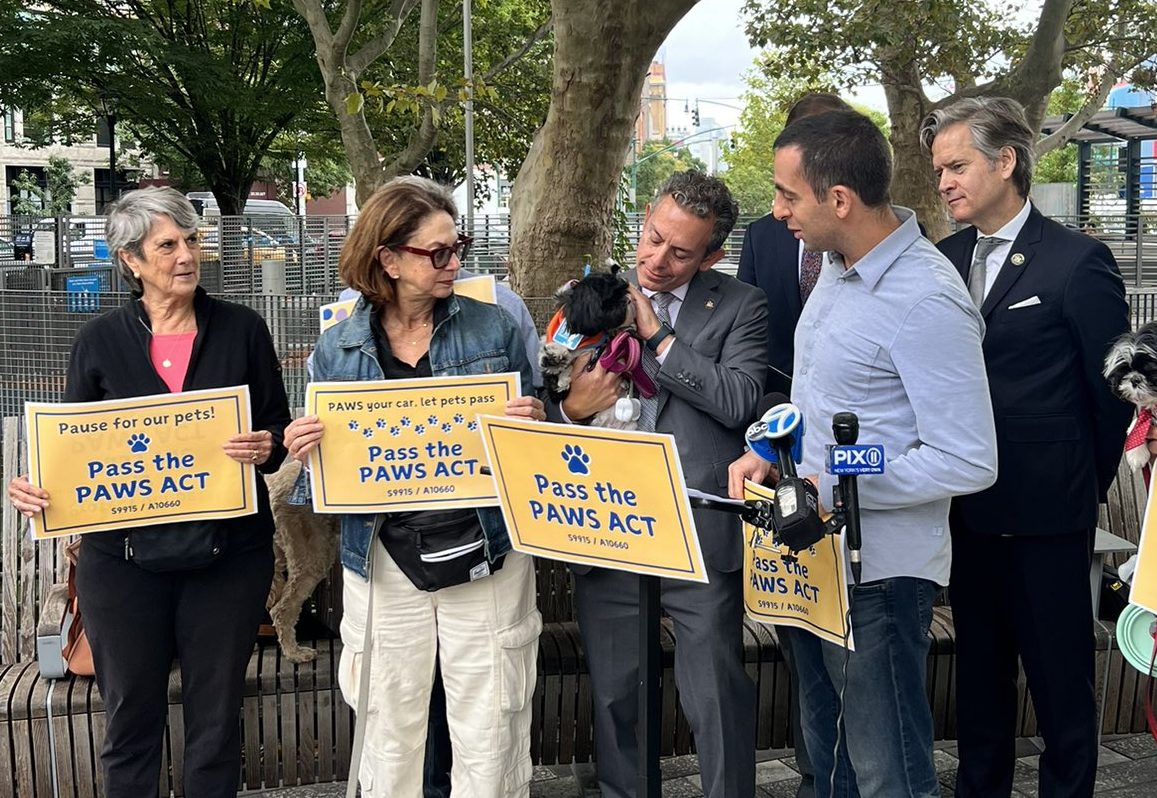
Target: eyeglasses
{"points": [[440, 257]]}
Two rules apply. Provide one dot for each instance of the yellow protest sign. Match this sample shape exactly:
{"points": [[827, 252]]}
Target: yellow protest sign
{"points": [[608, 498], [135, 462], [404, 444], [1143, 590], [809, 591], [334, 312], [481, 288]]}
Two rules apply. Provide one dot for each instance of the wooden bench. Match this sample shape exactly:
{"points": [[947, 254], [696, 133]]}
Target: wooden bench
{"points": [[296, 729]]}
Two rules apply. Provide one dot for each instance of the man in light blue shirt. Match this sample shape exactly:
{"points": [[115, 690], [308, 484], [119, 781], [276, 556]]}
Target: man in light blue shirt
{"points": [[889, 333]]}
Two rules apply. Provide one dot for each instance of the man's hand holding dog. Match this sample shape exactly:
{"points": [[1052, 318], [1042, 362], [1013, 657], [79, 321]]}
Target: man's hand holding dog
{"points": [[591, 390]]}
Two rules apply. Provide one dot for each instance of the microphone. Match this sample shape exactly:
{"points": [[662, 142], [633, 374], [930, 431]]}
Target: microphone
{"points": [[778, 435], [846, 429], [846, 461]]}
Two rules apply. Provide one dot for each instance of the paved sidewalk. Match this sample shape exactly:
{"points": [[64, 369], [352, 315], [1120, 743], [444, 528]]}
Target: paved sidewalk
{"points": [[1127, 769]]}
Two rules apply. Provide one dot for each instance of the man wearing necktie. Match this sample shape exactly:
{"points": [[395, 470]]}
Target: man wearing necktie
{"points": [[1052, 301], [706, 335]]}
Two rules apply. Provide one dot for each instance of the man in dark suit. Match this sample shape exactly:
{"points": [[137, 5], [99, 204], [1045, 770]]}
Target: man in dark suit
{"points": [[775, 261], [707, 333], [1052, 301]]}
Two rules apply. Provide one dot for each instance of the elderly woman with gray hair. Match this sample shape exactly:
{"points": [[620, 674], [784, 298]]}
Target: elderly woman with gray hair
{"points": [[192, 590]]}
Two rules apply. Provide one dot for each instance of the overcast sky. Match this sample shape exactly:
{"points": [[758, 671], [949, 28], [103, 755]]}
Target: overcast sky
{"points": [[706, 56]]}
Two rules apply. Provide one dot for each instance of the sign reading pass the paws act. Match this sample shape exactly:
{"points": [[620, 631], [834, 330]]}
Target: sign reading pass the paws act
{"points": [[607, 498], [134, 462], [397, 445]]}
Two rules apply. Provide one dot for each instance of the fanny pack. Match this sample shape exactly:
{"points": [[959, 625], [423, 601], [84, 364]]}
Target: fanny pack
{"points": [[183, 546], [438, 549]]}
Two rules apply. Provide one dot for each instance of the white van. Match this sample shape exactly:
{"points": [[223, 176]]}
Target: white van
{"points": [[270, 215]]}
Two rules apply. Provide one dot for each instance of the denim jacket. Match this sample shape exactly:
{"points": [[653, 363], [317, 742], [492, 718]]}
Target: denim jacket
{"points": [[469, 337]]}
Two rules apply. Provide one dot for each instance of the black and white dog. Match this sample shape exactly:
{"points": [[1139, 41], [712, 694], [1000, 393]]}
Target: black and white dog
{"points": [[1131, 370], [596, 317]]}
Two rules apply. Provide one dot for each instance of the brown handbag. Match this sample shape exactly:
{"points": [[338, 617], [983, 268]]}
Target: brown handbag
{"points": [[77, 652]]}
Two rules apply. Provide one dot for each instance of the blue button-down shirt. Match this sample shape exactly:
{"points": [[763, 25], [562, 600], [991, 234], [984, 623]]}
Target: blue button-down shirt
{"points": [[896, 340]]}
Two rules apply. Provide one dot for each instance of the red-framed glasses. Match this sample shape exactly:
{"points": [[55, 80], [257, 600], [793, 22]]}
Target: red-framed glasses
{"points": [[440, 257]]}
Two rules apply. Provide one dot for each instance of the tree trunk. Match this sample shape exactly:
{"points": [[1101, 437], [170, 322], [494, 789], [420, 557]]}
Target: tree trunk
{"points": [[913, 183], [563, 201]]}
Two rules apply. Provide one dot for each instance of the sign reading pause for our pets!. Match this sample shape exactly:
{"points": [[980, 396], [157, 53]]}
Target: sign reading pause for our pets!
{"points": [[394, 445], [134, 462], [601, 497]]}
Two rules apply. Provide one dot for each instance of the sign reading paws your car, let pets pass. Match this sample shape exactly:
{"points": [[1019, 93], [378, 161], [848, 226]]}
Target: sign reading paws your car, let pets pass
{"points": [[395, 445]]}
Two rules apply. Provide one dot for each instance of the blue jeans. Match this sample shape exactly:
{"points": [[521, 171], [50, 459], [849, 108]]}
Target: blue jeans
{"points": [[886, 748]]}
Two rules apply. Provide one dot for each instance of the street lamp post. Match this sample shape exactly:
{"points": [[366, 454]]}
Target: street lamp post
{"points": [[108, 105], [636, 160]]}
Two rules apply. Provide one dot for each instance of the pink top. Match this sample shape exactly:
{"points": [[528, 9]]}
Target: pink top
{"points": [[170, 355]]}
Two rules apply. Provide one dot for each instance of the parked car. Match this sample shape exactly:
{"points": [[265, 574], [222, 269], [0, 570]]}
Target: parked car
{"points": [[262, 245]]}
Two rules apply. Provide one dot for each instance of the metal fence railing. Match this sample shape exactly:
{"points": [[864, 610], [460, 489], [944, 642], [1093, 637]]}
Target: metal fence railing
{"points": [[37, 328]]}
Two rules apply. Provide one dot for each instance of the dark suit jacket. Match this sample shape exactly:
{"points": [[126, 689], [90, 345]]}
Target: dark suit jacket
{"points": [[713, 375], [770, 261], [1059, 430]]}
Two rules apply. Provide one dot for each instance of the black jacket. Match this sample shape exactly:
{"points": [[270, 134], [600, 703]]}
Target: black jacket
{"points": [[110, 360], [770, 260], [1050, 317]]}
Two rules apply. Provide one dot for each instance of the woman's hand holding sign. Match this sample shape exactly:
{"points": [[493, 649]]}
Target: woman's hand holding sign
{"points": [[529, 407], [302, 435], [250, 447], [26, 497]]}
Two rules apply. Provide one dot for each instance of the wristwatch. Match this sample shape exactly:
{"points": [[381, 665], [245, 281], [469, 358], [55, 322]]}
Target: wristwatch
{"points": [[659, 337]]}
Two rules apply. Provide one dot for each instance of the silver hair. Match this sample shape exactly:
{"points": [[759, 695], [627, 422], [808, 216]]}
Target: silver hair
{"points": [[995, 123], [131, 218]]}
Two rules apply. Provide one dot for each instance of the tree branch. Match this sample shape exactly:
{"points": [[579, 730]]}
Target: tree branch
{"points": [[422, 139], [372, 50], [543, 31]]}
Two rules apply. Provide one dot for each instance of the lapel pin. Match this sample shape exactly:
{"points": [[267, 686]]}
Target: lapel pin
{"points": [[710, 304], [1017, 259]]}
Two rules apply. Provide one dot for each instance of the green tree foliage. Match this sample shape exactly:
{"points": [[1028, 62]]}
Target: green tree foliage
{"points": [[55, 197], [962, 48], [210, 83], [657, 161], [751, 159], [394, 85], [1060, 165]]}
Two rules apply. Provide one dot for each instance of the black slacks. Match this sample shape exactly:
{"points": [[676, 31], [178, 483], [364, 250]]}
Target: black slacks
{"points": [[137, 622], [1025, 596]]}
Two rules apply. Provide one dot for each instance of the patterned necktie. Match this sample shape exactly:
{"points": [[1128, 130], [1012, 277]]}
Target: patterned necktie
{"points": [[978, 273], [809, 272], [649, 408]]}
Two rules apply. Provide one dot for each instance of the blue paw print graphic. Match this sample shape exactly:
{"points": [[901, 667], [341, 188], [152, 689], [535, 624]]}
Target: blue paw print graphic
{"points": [[447, 427], [420, 429], [382, 423], [367, 433], [576, 459], [459, 418], [395, 431], [404, 421], [432, 421], [139, 442], [473, 425], [353, 425]]}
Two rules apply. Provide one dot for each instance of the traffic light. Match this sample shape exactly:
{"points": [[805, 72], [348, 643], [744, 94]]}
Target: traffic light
{"points": [[695, 115]]}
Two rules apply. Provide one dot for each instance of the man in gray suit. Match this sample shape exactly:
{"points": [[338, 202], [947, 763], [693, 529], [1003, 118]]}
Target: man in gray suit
{"points": [[708, 334]]}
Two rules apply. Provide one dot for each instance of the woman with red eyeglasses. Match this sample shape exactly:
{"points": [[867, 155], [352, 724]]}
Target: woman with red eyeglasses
{"points": [[403, 614]]}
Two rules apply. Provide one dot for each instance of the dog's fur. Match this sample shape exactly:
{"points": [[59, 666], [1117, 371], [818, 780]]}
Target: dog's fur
{"points": [[305, 547], [598, 303], [1131, 370]]}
